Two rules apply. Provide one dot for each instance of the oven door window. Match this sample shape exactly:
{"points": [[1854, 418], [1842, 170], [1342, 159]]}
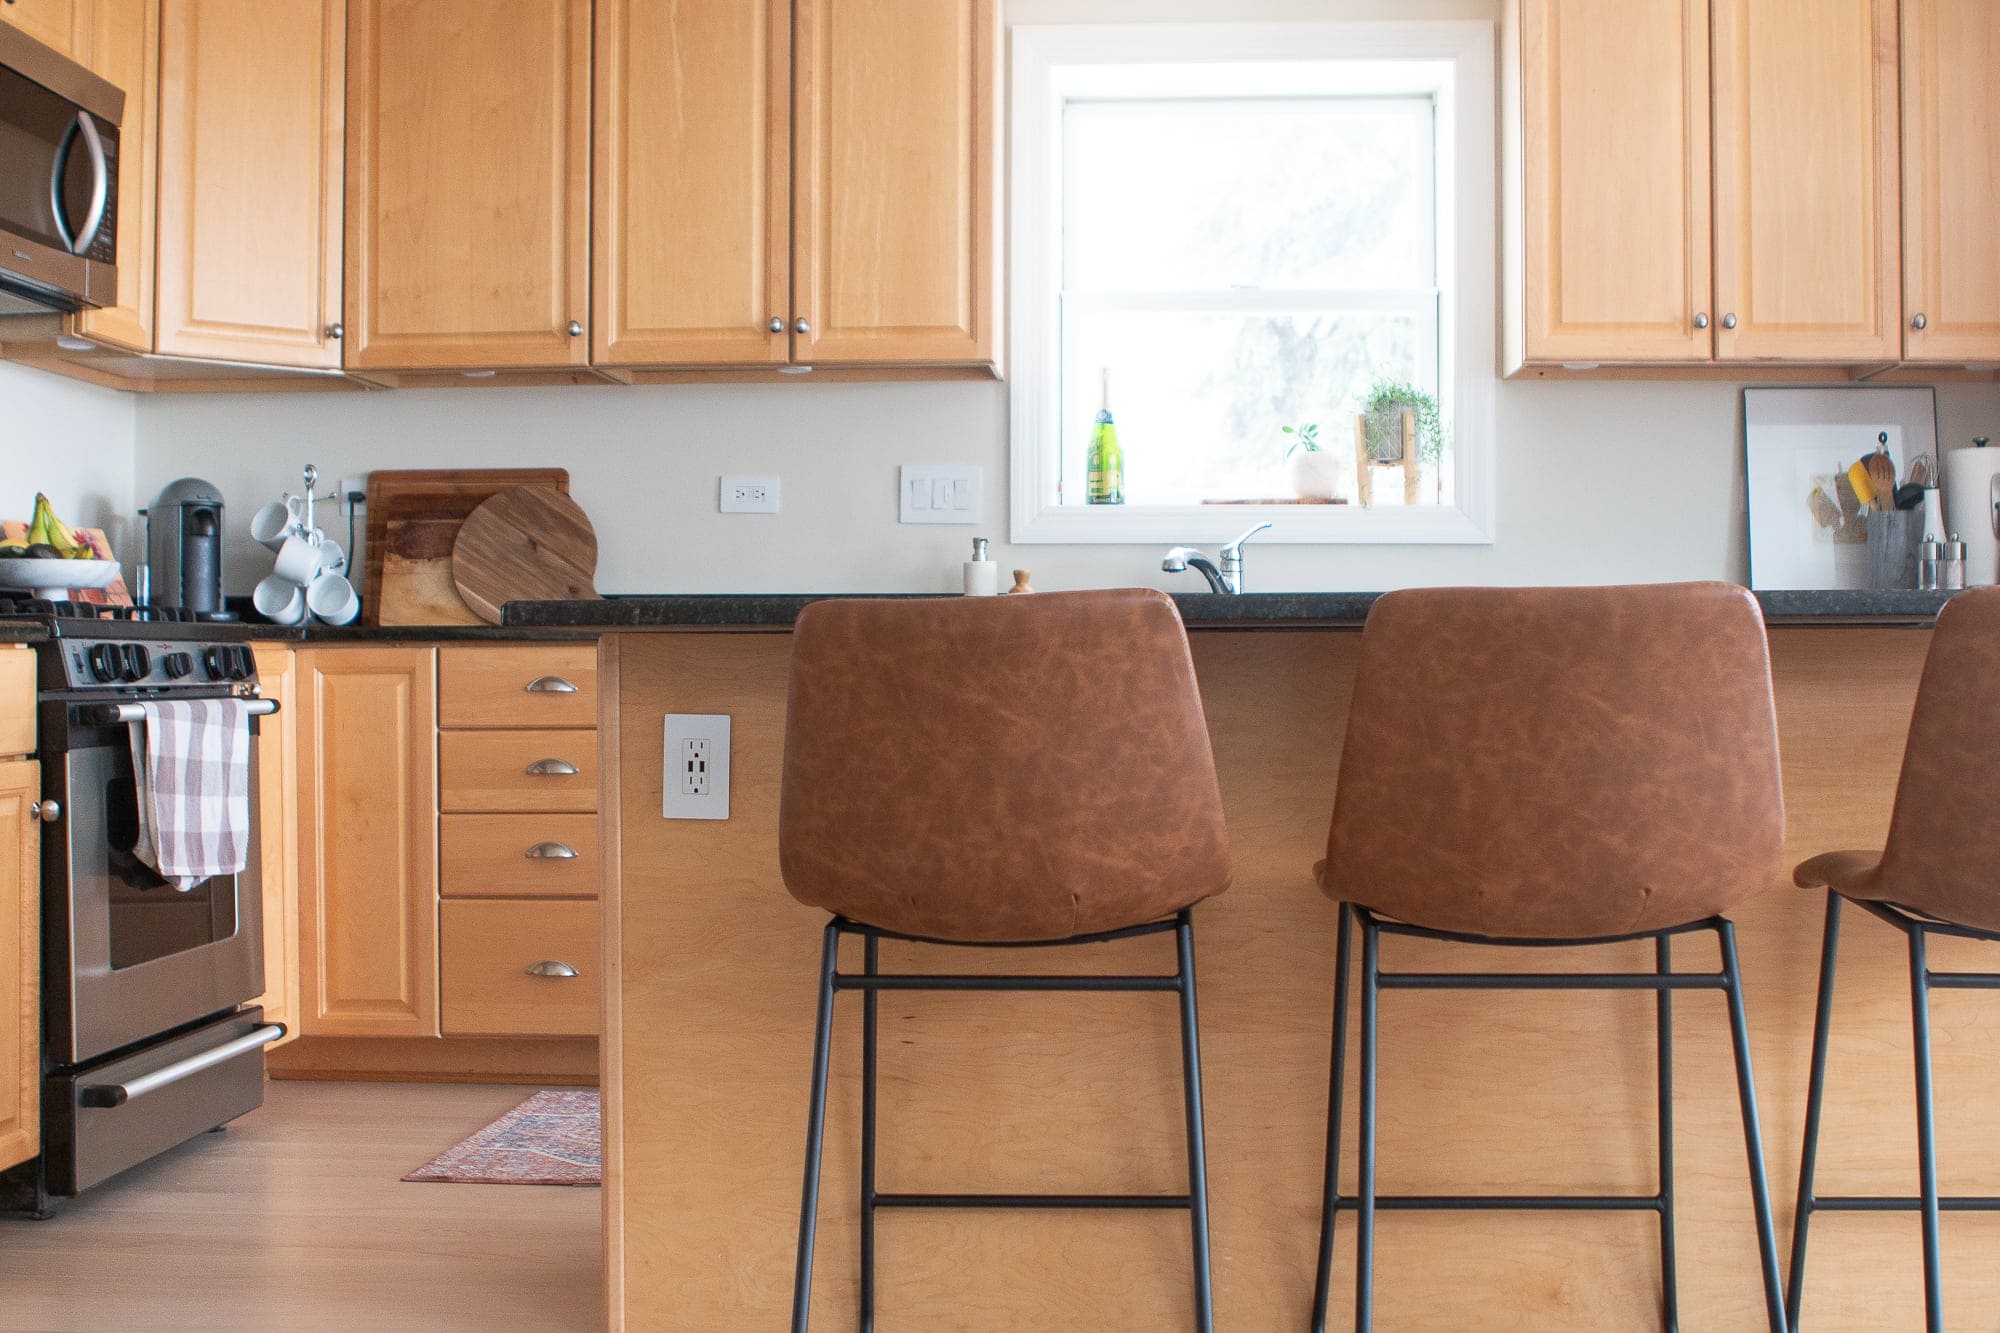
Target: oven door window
{"points": [[150, 918]]}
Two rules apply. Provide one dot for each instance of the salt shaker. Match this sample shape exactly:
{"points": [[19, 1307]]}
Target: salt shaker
{"points": [[1929, 555], [1951, 564]]}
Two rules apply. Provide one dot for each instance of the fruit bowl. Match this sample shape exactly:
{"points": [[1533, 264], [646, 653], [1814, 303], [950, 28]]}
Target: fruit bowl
{"points": [[25, 573]]}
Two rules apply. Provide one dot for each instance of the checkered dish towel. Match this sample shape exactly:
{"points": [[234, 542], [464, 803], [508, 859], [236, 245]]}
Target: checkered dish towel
{"points": [[191, 763]]}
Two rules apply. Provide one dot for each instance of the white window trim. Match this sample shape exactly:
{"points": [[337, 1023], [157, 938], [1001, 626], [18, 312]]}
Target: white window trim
{"points": [[1467, 277]]}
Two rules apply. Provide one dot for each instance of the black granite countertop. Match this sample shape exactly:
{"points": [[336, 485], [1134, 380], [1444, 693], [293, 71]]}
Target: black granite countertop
{"points": [[1269, 610]]}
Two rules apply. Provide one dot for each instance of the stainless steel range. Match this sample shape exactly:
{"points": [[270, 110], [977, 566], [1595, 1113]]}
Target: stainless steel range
{"points": [[149, 1037]]}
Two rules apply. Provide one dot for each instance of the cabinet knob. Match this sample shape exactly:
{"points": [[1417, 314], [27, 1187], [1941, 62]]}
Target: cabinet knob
{"points": [[550, 967], [802, 326], [1729, 321], [336, 331], [777, 323], [1920, 323], [46, 811], [1701, 320], [551, 851], [575, 329], [551, 768], [550, 685]]}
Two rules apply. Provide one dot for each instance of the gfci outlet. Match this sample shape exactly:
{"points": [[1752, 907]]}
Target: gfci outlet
{"points": [[696, 767], [744, 494]]}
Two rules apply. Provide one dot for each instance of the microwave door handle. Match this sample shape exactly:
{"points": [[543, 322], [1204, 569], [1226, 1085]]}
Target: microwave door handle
{"points": [[100, 182], [56, 173]]}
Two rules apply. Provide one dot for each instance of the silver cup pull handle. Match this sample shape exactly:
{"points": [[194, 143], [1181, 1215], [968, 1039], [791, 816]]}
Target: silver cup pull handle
{"points": [[550, 967], [551, 851], [550, 685], [1993, 495], [551, 768]]}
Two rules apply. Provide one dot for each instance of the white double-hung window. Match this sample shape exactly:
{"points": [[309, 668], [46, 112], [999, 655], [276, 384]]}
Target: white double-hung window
{"points": [[1246, 231]]}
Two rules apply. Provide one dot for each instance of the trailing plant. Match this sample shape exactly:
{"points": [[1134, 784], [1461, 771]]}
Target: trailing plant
{"points": [[1389, 396]]}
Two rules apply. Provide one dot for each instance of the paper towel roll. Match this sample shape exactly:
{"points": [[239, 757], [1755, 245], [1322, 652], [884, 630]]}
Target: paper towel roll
{"points": [[1970, 479]]}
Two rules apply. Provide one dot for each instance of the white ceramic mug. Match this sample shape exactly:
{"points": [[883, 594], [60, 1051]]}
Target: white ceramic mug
{"points": [[279, 600], [273, 523], [299, 559], [332, 559], [333, 599]]}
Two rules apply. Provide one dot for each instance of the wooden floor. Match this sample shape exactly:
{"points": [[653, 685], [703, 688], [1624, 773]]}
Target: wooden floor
{"points": [[296, 1219]]}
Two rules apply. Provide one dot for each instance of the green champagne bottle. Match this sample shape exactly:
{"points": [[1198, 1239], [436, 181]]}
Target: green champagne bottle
{"points": [[1105, 463]]}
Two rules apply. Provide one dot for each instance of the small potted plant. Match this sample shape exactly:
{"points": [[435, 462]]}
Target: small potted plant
{"points": [[1387, 402], [1315, 474]]}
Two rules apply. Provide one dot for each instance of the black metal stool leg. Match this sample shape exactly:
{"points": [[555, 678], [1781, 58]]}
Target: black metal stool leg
{"points": [[1663, 961], [1197, 1146], [870, 951], [1829, 956], [1920, 1013], [1330, 1198], [1364, 1235], [815, 1134], [1753, 1136]]}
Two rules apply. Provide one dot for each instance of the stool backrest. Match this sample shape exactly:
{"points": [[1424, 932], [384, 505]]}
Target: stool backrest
{"points": [[1559, 763], [998, 769], [1943, 854]]}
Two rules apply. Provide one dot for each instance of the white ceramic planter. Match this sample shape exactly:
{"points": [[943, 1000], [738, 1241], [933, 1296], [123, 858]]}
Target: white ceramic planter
{"points": [[1316, 474]]}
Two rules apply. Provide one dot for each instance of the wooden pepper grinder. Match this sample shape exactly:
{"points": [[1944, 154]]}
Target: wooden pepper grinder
{"points": [[1020, 583]]}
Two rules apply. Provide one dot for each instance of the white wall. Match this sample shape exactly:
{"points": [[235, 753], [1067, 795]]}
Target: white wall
{"points": [[74, 442], [1599, 481]]}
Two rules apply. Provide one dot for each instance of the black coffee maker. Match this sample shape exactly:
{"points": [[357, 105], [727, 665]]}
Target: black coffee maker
{"points": [[184, 547]]}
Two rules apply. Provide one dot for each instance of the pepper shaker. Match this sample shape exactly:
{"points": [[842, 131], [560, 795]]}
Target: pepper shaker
{"points": [[1951, 564]]}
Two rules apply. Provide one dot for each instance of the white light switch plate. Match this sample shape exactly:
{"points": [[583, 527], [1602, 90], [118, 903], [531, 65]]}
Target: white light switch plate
{"points": [[938, 494], [696, 767]]}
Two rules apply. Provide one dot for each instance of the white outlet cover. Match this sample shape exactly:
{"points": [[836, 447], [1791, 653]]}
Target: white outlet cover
{"points": [[938, 494], [747, 493], [680, 729]]}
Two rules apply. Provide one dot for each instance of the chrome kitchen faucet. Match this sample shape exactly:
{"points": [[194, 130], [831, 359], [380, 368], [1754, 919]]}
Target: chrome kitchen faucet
{"points": [[1227, 579]]}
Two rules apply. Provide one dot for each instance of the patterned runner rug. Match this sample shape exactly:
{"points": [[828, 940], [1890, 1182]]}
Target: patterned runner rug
{"points": [[553, 1138]]}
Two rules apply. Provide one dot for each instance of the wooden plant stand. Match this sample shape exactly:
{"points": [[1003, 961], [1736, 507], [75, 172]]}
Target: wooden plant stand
{"points": [[1365, 467]]}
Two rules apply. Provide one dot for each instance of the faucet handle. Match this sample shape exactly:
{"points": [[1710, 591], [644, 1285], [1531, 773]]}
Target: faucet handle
{"points": [[1236, 547]]}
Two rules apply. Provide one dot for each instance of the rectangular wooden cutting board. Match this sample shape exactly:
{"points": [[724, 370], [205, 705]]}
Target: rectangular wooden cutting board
{"points": [[413, 519]]}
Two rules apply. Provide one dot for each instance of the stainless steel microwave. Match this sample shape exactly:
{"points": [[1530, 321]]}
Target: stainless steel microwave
{"points": [[58, 180]]}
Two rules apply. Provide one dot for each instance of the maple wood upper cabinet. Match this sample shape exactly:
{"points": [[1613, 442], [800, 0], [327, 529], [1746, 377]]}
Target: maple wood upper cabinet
{"points": [[1951, 190], [125, 51], [1807, 258], [468, 189], [250, 150], [1614, 182], [895, 231], [65, 25], [693, 183]]}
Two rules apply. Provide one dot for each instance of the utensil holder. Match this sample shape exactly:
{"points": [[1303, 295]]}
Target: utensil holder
{"points": [[1893, 538]]}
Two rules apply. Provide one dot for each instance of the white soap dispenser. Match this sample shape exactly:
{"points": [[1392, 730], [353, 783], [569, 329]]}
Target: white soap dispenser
{"points": [[982, 576]]}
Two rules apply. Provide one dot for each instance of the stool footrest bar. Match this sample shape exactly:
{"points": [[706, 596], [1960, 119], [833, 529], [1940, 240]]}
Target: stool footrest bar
{"points": [[1551, 981], [1507, 1203], [1887, 1203], [843, 981], [1030, 1201], [1963, 980]]}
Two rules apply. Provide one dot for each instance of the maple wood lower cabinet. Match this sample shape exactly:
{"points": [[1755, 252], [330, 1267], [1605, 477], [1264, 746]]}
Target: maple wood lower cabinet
{"points": [[367, 793], [278, 835], [20, 914]]}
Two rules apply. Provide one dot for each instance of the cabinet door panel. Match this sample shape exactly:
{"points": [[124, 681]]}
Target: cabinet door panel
{"points": [[895, 223], [125, 50], [251, 112], [1615, 177], [693, 182], [278, 835], [468, 191], [1951, 184], [20, 963], [1807, 258], [62, 24], [368, 896]]}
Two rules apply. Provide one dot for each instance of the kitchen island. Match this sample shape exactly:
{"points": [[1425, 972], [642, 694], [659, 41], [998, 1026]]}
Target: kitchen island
{"points": [[710, 974]]}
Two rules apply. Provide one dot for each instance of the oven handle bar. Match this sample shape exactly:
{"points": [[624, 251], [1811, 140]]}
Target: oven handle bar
{"points": [[106, 1095], [110, 715]]}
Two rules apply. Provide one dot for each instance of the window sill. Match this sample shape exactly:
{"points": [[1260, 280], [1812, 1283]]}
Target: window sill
{"points": [[1291, 524]]}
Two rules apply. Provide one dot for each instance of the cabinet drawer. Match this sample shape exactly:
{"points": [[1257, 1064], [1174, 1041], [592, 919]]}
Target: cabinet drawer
{"points": [[517, 856], [491, 771], [542, 685], [17, 701], [488, 949]]}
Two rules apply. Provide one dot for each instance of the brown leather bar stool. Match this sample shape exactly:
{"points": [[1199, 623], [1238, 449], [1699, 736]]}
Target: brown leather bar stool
{"points": [[1938, 875], [1587, 766], [999, 773]]}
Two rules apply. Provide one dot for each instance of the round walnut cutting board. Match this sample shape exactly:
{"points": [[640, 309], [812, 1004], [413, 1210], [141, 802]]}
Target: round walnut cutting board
{"points": [[528, 544]]}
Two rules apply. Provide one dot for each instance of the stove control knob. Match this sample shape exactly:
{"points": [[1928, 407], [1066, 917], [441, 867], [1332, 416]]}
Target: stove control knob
{"points": [[138, 663], [214, 664], [178, 665], [241, 665], [103, 663]]}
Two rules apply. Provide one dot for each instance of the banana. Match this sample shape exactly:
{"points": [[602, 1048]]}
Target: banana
{"points": [[48, 530]]}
